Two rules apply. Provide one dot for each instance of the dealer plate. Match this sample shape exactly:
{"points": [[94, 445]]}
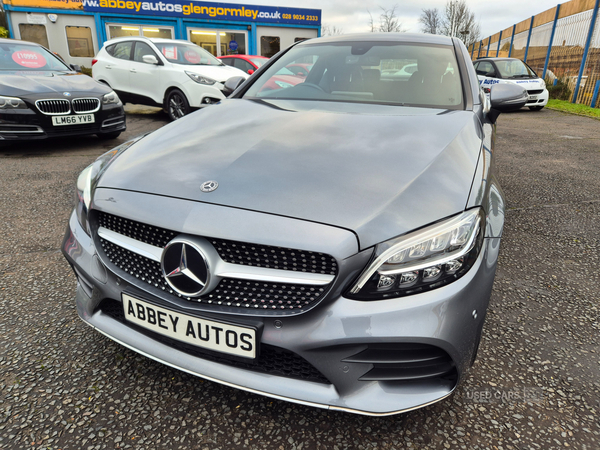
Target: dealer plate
{"points": [[533, 97], [73, 120], [216, 336]]}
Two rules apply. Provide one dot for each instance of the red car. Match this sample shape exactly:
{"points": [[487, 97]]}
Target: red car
{"points": [[247, 63]]}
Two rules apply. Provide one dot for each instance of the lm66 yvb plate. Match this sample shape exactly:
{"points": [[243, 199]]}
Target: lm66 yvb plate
{"points": [[216, 336], [73, 120]]}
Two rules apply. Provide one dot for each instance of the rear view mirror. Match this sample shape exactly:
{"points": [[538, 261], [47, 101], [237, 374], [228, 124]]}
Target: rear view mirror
{"points": [[250, 71], [150, 59], [75, 67], [232, 84]]}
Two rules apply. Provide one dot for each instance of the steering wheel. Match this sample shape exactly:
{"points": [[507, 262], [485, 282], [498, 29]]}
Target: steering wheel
{"points": [[312, 85]]}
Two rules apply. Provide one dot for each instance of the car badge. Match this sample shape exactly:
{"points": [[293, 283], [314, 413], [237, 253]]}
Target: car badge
{"points": [[67, 94], [209, 186], [184, 267]]}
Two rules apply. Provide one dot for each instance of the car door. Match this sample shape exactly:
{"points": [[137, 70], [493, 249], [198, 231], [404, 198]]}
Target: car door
{"points": [[487, 74], [116, 68], [145, 77]]}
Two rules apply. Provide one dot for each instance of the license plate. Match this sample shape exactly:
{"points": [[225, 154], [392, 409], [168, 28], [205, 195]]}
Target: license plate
{"points": [[533, 97], [73, 120], [217, 336]]}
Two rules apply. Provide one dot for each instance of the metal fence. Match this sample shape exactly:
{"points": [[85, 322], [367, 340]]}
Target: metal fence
{"points": [[562, 44]]}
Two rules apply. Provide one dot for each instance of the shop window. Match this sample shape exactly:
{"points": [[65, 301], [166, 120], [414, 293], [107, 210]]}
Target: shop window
{"points": [[155, 32], [269, 45], [150, 31], [34, 33], [300, 39], [79, 40], [205, 39]]}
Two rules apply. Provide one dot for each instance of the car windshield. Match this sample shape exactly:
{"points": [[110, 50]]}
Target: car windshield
{"points": [[364, 72], [258, 61], [187, 54], [17, 56], [514, 68]]}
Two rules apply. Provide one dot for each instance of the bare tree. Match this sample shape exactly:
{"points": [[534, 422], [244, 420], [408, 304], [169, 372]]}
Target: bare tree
{"points": [[431, 21], [460, 22], [327, 30], [388, 21], [457, 21]]}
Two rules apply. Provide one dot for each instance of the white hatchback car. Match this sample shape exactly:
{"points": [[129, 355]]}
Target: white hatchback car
{"points": [[492, 71], [176, 75]]}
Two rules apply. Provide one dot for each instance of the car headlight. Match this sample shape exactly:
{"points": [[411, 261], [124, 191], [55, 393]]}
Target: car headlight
{"points": [[111, 98], [200, 78], [543, 83], [426, 259], [88, 179], [12, 103]]}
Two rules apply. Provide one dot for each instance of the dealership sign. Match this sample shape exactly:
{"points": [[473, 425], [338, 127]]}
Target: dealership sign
{"points": [[203, 10]]}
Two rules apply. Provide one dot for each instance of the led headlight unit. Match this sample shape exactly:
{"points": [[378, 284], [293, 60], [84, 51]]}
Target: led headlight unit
{"points": [[422, 260]]}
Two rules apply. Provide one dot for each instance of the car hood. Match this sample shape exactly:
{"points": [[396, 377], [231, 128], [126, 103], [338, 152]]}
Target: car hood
{"points": [[380, 173], [217, 73], [34, 84]]}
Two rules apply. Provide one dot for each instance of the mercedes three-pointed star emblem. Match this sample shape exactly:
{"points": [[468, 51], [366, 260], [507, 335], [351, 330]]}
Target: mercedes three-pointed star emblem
{"points": [[185, 268]]}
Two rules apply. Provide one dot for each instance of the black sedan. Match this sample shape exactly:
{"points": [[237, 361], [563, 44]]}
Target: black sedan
{"points": [[42, 97]]}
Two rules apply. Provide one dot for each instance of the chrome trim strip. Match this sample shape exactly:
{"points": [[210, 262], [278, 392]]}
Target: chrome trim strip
{"points": [[266, 394], [222, 269], [61, 100], [238, 271], [119, 121], [39, 130], [86, 98], [133, 245]]}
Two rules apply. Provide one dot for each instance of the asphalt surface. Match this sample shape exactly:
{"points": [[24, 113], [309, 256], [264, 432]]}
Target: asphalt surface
{"points": [[535, 384]]}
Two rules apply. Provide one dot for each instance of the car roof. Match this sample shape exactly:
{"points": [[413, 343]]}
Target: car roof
{"points": [[243, 56], [144, 38], [382, 37], [9, 41], [490, 58]]}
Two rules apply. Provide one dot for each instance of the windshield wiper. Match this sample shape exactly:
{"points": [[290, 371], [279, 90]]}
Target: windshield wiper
{"points": [[521, 76]]}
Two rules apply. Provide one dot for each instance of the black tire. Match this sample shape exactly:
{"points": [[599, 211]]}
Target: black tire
{"points": [[177, 105], [536, 108], [113, 135]]}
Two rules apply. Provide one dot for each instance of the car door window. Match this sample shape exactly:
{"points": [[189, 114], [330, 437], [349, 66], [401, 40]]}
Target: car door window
{"points": [[122, 50], [142, 49], [243, 65], [228, 61]]}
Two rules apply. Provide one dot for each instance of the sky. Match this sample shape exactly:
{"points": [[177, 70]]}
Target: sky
{"points": [[353, 17]]}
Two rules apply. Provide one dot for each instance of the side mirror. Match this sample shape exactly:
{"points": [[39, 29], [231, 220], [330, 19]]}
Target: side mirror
{"points": [[232, 84], [150, 59], [508, 97], [75, 67], [504, 98], [250, 71]]}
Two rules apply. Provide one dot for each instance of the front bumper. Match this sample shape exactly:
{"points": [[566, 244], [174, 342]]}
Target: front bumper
{"points": [[29, 124], [538, 99], [328, 337]]}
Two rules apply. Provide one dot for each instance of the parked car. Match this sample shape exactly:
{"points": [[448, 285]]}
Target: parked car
{"points": [[176, 75], [491, 71], [246, 63], [42, 97], [316, 243]]}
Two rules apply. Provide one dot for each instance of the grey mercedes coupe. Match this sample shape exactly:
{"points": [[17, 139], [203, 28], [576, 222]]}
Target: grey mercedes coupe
{"points": [[330, 241]]}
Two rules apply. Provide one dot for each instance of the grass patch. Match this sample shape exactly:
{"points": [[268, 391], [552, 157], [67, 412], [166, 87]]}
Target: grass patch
{"points": [[573, 108]]}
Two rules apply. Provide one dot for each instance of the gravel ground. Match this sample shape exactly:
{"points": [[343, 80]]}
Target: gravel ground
{"points": [[535, 384]]}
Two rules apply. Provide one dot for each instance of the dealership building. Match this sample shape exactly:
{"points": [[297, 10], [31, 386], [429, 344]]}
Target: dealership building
{"points": [[77, 29]]}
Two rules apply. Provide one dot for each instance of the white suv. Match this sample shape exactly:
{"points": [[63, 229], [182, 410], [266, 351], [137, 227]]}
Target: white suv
{"points": [[174, 74]]}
